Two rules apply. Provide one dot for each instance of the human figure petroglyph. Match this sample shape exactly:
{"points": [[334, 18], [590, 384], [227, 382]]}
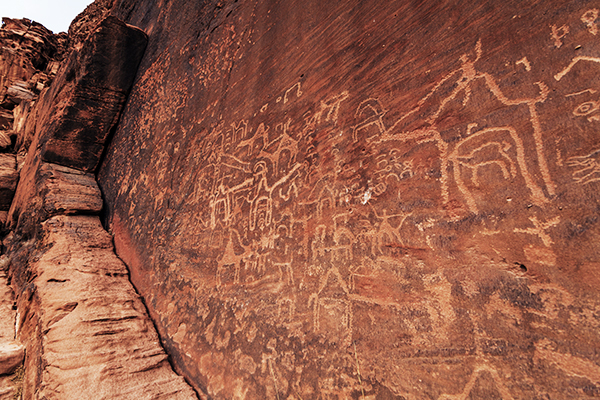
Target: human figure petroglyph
{"points": [[386, 235], [558, 33], [539, 229]]}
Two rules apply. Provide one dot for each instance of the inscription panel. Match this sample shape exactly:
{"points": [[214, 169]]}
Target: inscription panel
{"points": [[308, 224]]}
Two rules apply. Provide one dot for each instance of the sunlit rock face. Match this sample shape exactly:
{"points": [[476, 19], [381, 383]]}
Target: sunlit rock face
{"points": [[72, 326], [365, 199]]}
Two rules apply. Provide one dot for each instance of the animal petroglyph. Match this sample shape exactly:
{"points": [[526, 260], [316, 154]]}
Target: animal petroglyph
{"points": [[373, 128], [587, 168], [483, 149], [589, 18]]}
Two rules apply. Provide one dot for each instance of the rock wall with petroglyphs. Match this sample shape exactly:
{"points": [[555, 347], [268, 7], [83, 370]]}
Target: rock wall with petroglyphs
{"points": [[365, 200]]}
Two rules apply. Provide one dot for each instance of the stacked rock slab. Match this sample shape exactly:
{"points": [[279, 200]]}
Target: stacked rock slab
{"points": [[84, 328]]}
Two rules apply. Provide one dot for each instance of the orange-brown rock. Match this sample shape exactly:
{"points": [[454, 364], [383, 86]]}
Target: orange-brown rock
{"points": [[85, 328], [11, 352], [26, 48], [85, 23], [8, 180], [366, 199], [89, 94], [11, 356]]}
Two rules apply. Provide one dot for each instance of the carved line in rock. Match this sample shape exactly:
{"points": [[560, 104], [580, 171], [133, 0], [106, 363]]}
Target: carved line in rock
{"points": [[479, 149]]}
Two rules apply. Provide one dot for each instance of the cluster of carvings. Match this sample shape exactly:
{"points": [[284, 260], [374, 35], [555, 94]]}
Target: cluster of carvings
{"points": [[306, 220]]}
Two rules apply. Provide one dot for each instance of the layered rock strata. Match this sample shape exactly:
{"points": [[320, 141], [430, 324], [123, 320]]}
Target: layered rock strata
{"points": [[83, 328]]}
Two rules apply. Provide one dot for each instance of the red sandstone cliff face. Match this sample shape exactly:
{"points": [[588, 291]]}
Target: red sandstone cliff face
{"points": [[315, 200], [365, 199], [71, 324]]}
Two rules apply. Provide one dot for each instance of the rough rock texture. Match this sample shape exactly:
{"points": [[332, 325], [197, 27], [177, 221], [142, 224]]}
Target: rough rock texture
{"points": [[8, 180], [366, 199], [93, 89], [82, 25], [84, 330], [26, 50], [11, 356], [11, 352]]}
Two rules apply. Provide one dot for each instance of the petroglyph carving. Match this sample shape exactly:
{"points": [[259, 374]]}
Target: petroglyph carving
{"points": [[477, 373], [574, 62], [558, 34], [525, 62], [328, 111], [332, 309], [483, 149], [587, 168], [287, 92], [462, 80], [589, 19], [371, 113], [539, 229], [586, 110], [386, 235]]}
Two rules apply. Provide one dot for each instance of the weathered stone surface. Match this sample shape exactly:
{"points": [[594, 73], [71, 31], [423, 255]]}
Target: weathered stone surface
{"points": [[366, 199], [48, 189], [85, 22], [10, 359], [26, 48], [89, 95], [69, 191], [6, 119], [11, 356], [6, 140], [85, 329], [20, 91], [8, 180], [7, 301]]}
